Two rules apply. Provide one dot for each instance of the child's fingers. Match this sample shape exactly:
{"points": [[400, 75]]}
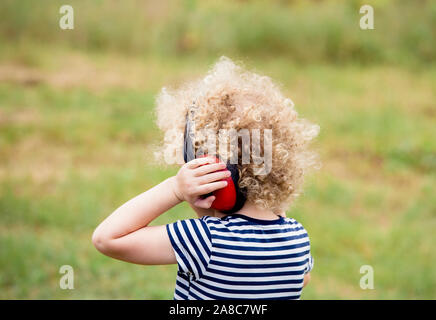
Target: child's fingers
{"points": [[214, 176], [211, 187], [208, 168], [204, 203], [200, 161]]}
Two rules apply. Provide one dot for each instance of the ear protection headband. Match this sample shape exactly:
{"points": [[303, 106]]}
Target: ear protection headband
{"points": [[228, 199]]}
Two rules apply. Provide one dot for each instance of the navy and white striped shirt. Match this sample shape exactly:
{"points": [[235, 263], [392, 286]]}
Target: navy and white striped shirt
{"points": [[239, 257]]}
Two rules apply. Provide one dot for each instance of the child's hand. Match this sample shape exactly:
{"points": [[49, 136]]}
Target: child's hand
{"points": [[198, 177]]}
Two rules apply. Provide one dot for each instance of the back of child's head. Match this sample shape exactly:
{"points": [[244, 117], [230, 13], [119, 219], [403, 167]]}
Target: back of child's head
{"points": [[232, 98]]}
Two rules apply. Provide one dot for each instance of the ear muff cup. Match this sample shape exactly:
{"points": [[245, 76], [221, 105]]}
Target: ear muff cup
{"points": [[228, 199]]}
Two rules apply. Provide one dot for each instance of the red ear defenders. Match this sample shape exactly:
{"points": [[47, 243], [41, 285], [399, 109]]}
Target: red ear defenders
{"points": [[228, 199]]}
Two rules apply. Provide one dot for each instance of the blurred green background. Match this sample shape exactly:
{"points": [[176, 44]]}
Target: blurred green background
{"points": [[77, 133]]}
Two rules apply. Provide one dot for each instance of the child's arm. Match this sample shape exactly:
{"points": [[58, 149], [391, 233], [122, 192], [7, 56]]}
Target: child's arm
{"points": [[306, 279], [125, 234]]}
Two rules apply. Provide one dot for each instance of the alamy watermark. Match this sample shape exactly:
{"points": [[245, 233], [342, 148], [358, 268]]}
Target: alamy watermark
{"points": [[256, 147], [367, 20], [367, 280], [66, 22], [66, 282]]}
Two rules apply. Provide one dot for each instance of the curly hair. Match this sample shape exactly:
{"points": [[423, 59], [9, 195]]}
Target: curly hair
{"points": [[230, 97]]}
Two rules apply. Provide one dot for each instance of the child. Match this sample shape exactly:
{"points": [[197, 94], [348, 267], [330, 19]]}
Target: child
{"points": [[250, 251]]}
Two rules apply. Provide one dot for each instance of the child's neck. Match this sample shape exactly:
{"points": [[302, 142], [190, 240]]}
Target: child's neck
{"points": [[253, 211]]}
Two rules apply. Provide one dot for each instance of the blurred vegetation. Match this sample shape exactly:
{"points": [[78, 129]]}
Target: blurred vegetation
{"points": [[304, 31], [77, 133]]}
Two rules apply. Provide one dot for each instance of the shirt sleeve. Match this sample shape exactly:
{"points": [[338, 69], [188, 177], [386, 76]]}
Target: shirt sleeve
{"points": [[191, 241], [309, 264], [309, 259]]}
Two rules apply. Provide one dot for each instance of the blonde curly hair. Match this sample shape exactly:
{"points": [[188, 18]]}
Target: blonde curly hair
{"points": [[230, 97]]}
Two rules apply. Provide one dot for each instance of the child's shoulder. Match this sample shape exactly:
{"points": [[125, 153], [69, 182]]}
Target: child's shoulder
{"points": [[210, 220], [293, 221], [240, 220]]}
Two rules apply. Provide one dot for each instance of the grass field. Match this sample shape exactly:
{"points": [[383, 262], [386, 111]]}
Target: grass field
{"points": [[77, 136]]}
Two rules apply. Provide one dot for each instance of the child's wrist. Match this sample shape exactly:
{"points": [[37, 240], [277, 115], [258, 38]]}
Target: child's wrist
{"points": [[175, 189]]}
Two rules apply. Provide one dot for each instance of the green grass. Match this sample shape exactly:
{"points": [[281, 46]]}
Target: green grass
{"points": [[70, 154]]}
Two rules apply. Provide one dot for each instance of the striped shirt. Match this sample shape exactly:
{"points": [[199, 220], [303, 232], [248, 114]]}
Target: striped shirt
{"points": [[239, 257]]}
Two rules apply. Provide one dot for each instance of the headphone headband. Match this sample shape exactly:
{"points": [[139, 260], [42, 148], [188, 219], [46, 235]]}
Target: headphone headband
{"points": [[188, 146]]}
